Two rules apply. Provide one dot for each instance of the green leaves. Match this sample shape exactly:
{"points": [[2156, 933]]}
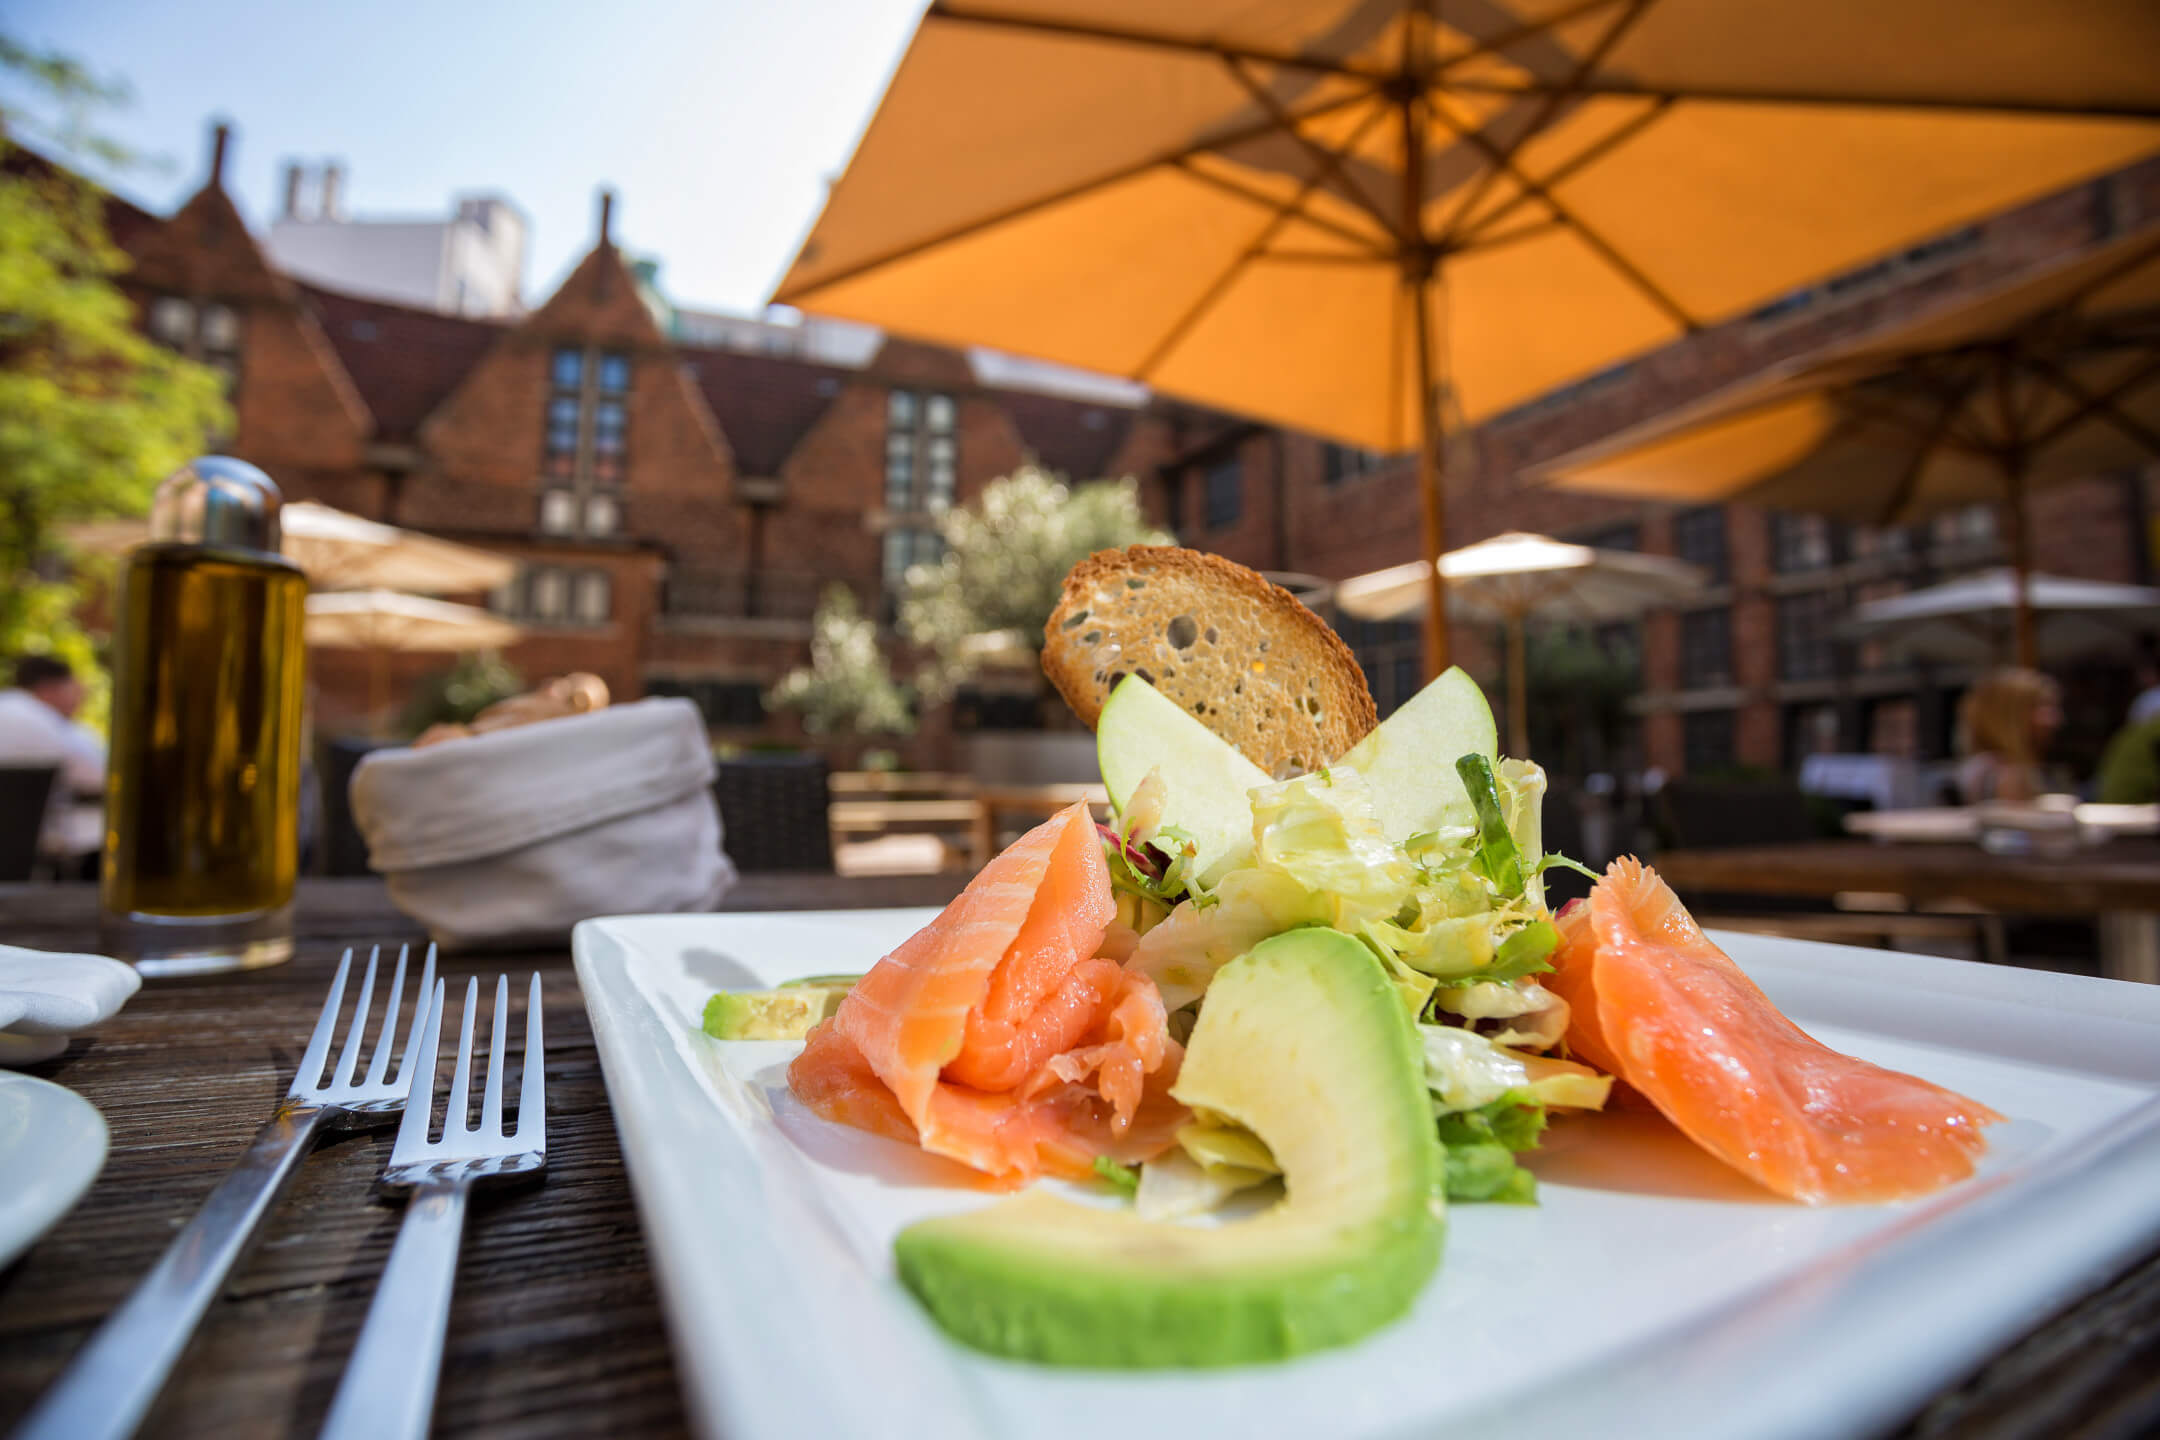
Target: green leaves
{"points": [[1497, 856], [847, 686]]}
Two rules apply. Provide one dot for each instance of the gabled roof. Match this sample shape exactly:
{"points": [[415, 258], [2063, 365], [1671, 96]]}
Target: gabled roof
{"points": [[765, 403], [1076, 438], [403, 361]]}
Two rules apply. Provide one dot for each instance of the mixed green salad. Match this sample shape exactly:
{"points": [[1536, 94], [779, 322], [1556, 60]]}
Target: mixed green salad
{"points": [[1455, 913]]}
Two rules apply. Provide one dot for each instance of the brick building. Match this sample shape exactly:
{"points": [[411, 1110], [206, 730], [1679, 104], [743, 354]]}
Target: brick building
{"points": [[678, 508]]}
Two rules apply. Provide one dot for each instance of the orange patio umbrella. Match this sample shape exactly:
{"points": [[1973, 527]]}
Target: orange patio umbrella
{"points": [[1357, 216], [2050, 378]]}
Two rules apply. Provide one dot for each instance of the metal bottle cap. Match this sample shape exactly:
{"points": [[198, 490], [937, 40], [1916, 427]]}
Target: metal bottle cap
{"points": [[217, 500]]}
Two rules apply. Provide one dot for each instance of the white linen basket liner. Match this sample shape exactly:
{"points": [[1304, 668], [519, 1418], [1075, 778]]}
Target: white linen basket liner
{"points": [[524, 832]]}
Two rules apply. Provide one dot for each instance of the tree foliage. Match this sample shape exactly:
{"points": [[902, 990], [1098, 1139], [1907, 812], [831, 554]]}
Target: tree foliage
{"points": [[92, 412], [1006, 556], [847, 688]]}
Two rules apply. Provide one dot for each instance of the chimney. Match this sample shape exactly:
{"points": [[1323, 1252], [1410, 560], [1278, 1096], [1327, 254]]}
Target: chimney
{"points": [[333, 184], [607, 216], [293, 177], [220, 137]]}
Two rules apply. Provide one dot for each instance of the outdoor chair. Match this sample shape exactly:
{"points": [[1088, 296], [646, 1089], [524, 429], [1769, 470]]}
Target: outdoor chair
{"points": [[24, 793], [774, 812]]}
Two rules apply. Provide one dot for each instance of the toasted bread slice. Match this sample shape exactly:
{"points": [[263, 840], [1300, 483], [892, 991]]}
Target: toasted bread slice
{"points": [[1245, 656]]}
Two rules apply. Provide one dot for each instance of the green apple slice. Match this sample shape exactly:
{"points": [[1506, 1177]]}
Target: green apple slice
{"points": [[1205, 778], [1409, 758]]}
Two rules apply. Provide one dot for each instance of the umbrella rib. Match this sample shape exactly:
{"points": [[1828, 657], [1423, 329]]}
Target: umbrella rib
{"points": [[1334, 160], [1504, 162], [1604, 248], [1613, 89], [1331, 162], [1374, 250], [2102, 404], [1530, 30], [1169, 158], [1935, 434], [1475, 230], [1152, 40]]}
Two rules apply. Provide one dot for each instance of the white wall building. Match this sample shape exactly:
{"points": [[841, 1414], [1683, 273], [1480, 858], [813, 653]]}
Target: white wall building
{"points": [[472, 263]]}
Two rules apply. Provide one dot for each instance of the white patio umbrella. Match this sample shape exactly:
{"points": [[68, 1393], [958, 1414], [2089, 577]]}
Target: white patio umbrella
{"points": [[1972, 620], [384, 622], [341, 551], [1513, 577]]}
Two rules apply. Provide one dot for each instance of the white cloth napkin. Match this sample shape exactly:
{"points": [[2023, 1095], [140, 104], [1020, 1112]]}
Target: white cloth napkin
{"points": [[45, 998]]}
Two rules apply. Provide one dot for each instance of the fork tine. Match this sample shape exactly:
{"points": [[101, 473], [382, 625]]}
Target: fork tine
{"points": [[318, 1048], [387, 1040], [532, 1091], [491, 1098], [461, 1081], [348, 1059], [419, 1023], [420, 1089]]}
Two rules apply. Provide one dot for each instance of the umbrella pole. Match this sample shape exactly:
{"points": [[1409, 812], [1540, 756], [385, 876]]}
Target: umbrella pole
{"points": [[1518, 686], [378, 689], [1417, 263], [2027, 645]]}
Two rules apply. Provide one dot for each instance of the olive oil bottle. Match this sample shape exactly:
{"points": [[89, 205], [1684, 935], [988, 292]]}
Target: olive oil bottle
{"points": [[202, 799]]}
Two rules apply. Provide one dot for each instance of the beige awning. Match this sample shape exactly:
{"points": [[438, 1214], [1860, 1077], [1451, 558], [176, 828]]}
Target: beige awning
{"points": [[340, 551], [1353, 216], [387, 621]]}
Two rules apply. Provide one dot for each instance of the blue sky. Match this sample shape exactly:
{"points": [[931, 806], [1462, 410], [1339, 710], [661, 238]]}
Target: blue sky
{"points": [[718, 124]]}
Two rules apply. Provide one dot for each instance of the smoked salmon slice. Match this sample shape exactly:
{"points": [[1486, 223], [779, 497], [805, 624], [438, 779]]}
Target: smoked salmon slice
{"points": [[998, 1035], [1655, 1003]]}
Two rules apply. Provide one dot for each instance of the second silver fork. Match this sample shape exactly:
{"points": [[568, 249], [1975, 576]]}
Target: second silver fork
{"points": [[388, 1390]]}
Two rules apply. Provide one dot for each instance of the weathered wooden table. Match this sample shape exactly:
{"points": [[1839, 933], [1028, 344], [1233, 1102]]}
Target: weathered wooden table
{"points": [[2118, 884], [556, 1330]]}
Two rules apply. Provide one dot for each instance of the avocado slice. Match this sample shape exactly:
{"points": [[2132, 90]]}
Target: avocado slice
{"points": [[787, 1013], [1303, 1042], [1409, 758], [1205, 778]]}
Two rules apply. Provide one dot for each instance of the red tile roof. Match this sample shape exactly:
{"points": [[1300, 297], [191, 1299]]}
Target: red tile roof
{"points": [[765, 403], [403, 361]]}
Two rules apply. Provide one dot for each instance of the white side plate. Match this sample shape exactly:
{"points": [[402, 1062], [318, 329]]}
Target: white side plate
{"points": [[52, 1145], [1652, 1292]]}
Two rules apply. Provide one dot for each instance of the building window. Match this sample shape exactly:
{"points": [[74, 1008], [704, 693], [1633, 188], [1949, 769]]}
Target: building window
{"points": [[1225, 493], [547, 593], [725, 704], [587, 437], [907, 547], [1340, 464], [1391, 653], [1802, 542], [1706, 741], [1706, 649], [1805, 647], [1970, 527], [602, 515], [558, 512], [922, 453], [207, 332], [1624, 536], [1699, 539], [594, 597]]}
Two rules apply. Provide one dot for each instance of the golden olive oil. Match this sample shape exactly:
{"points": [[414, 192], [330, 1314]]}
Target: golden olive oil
{"points": [[202, 802]]}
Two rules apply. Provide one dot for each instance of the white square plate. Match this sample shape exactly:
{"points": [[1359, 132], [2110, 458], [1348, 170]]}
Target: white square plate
{"points": [[1651, 1292]]}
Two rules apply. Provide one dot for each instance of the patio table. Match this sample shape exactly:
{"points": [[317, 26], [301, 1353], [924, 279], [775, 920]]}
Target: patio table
{"points": [[2117, 884], [556, 1329]]}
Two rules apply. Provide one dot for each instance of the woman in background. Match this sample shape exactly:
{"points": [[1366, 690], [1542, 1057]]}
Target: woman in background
{"points": [[2004, 726]]}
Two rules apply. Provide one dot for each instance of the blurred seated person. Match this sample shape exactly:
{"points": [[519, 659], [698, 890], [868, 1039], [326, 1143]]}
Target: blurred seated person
{"points": [[2005, 724], [2129, 772], [38, 727], [2147, 704]]}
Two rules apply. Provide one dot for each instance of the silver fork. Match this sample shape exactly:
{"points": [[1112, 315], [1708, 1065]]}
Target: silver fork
{"points": [[111, 1383], [389, 1386]]}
